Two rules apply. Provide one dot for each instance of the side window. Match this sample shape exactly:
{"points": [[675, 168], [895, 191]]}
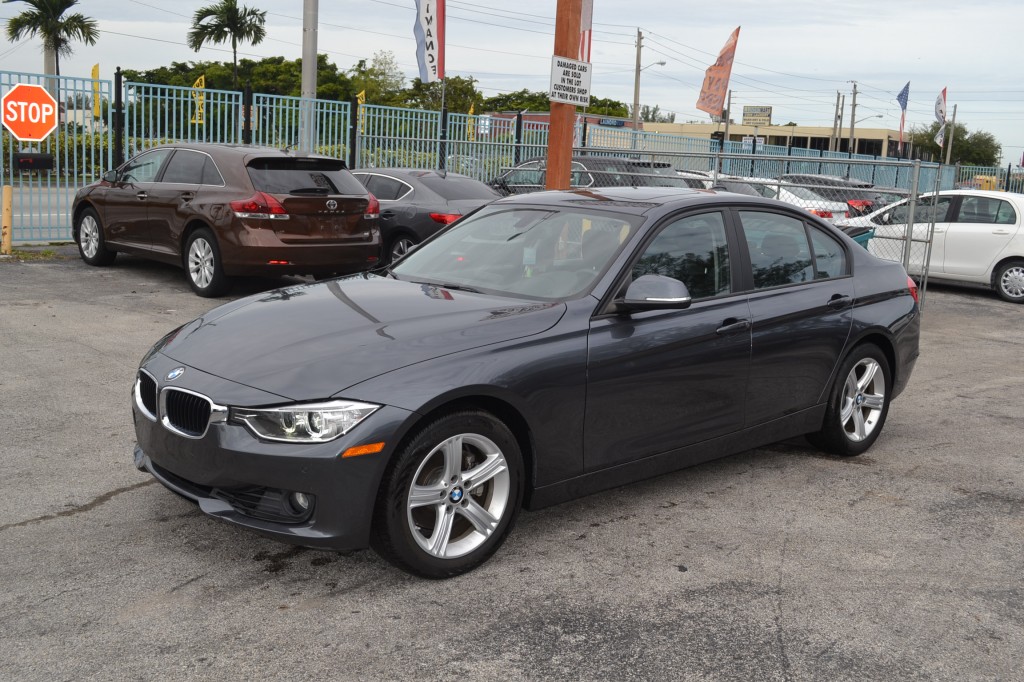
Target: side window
{"points": [[385, 188], [929, 210], [527, 174], [779, 252], [580, 176], [185, 168], [694, 251], [144, 167], [829, 256], [211, 175], [985, 210]]}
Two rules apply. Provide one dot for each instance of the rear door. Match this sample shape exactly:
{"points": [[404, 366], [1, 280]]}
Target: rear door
{"points": [[801, 308], [324, 203], [170, 199], [982, 228]]}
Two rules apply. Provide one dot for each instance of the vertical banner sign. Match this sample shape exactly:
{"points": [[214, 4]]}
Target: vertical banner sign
{"points": [[96, 113], [361, 99], [902, 98], [199, 96], [586, 30], [429, 32], [716, 78], [470, 125], [940, 116]]}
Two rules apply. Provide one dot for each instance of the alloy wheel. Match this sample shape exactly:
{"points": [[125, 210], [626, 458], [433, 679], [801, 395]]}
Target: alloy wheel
{"points": [[89, 236], [458, 496], [200, 263], [863, 399], [400, 248]]}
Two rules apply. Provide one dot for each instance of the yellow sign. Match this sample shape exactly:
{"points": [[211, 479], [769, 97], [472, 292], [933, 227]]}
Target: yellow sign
{"points": [[96, 92], [200, 99], [361, 97], [470, 126]]}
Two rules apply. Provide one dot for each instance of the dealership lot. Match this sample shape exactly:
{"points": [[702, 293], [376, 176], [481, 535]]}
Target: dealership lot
{"points": [[779, 563]]}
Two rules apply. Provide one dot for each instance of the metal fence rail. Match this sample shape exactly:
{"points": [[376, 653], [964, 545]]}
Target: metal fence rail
{"points": [[158, 114]]}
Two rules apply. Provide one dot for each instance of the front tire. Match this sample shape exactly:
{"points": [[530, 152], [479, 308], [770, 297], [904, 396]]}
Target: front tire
{"points": [[1009, 282], [203, 265], [91, 245], [451, 496], [858, 403]]}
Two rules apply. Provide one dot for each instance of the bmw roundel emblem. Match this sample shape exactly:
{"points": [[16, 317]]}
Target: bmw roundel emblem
{"points": [[175, 373], [456, 495], [332, 204]]}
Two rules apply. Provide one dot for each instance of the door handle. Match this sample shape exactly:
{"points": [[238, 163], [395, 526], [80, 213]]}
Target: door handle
{"points": [[141, 195], [188, 196], [732, 325], [839, 301], [387, 214], [1001, 232]]}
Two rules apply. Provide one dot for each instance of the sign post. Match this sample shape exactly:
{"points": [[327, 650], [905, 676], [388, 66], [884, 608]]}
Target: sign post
{"points": [[29, 112]]}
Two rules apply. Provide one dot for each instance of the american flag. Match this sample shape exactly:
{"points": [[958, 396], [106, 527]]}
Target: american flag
{"points": [[902, 99], [586, 30]]}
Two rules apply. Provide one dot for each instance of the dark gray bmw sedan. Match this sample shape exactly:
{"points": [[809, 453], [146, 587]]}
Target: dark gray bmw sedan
{"points": [[546, 347]]}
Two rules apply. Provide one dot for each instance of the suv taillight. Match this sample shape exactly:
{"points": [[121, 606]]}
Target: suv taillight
{"points": [[372, 208], [260, 205], [820, 212]]}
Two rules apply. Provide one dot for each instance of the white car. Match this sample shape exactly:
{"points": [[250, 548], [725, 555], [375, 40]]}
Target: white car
{"points": [[977, 238], [798, 195]]}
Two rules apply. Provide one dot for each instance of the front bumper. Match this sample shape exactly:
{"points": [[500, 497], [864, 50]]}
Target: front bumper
{"points": [[228, 468]]}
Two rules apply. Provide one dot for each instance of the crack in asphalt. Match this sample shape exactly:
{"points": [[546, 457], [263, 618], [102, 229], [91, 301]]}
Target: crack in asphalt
{"points": [[88, 506]]}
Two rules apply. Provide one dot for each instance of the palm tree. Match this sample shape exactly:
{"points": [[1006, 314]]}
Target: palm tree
{"points": [[48, 21], [227, 21]]}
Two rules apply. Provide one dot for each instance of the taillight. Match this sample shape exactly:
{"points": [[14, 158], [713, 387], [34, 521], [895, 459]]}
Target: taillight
{"points": [[260, 206], [860, 206], [445, 218], [820, 212], [912, 285], [372, 208]]}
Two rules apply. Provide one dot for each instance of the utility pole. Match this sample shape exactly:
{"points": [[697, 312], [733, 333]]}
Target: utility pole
{"points": [[307, 121], [562, 121], [853, 115], [835, 123], [952, 131], [636, 83]]}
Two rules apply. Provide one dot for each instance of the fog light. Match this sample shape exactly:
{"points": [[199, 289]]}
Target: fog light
{"points": [[300, 501]]}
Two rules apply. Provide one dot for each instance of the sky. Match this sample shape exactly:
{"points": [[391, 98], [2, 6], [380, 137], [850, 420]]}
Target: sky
{"points": [[793, 55]]}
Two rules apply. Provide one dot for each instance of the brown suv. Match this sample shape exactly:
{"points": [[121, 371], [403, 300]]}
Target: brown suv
{"points": [[220, 210]]}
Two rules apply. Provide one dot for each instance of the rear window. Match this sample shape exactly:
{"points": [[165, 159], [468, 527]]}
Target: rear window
{"points": [[303, 176], [454, 187]]}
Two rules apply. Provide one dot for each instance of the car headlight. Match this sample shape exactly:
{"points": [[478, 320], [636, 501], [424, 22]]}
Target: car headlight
{"points": [[304, 423]]}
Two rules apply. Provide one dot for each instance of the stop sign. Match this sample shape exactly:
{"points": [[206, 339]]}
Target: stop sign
{"points": [[29, 112]]}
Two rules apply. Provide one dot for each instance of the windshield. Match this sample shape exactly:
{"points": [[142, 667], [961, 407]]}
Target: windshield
{"points": [[533, 252], [302, 175]]}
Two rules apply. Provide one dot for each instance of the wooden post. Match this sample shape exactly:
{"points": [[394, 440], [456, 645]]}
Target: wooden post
{"points": [[563, 116], [6, 222]]}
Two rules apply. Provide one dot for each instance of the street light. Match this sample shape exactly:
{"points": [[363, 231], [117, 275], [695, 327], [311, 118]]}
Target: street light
{"points": [[853, 124], [636, 91], [866, 118]]}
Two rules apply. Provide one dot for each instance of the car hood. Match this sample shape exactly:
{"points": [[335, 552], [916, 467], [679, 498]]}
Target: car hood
{"points": [[312, 341]]}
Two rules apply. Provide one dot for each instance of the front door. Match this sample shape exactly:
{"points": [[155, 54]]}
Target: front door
{"points": [[660, 380], [981, 230], [126, 202]]}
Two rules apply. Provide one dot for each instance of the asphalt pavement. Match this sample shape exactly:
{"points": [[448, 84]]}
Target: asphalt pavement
{"points": [[776, 564]]}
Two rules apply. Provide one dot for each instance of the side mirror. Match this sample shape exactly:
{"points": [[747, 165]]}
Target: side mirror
{"points": [[656, 292], [110, 176]]}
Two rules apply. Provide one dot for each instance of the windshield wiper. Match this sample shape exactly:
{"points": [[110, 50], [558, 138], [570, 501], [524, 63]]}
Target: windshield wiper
{"points": [[458, 287]]}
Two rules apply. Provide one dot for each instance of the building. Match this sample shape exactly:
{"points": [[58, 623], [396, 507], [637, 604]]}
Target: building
{"points": [[872, 141]]}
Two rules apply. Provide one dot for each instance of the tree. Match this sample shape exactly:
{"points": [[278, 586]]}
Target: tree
{"points": [[607, 107], [224, 22], [381, 79], [522, 100], [48, 21], [459, 95], [969, 149], [653, 114]]}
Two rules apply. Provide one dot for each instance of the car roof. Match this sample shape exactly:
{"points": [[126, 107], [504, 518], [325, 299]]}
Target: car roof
{"points": [[413, 173], [635, 200]]}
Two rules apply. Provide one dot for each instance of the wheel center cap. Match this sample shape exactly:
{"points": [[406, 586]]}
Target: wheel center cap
{"points": [[860, 399], [456, 494]]}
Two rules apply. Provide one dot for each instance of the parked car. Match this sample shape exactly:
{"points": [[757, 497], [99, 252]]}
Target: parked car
{"points": [[798, 195], [586, 171], [417, 203], [977, 238], [548, 346], [856, 194], [221, 210], [664, 174]]}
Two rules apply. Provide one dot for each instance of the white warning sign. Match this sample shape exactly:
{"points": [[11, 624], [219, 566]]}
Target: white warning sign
{"points": [[570, 81]]}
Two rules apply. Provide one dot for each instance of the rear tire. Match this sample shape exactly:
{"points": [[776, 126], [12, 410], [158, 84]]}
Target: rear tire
{"points": [[450, 496], [91, 245], [1009, 281], [399, 246], [203, 265], [858, 403]]}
